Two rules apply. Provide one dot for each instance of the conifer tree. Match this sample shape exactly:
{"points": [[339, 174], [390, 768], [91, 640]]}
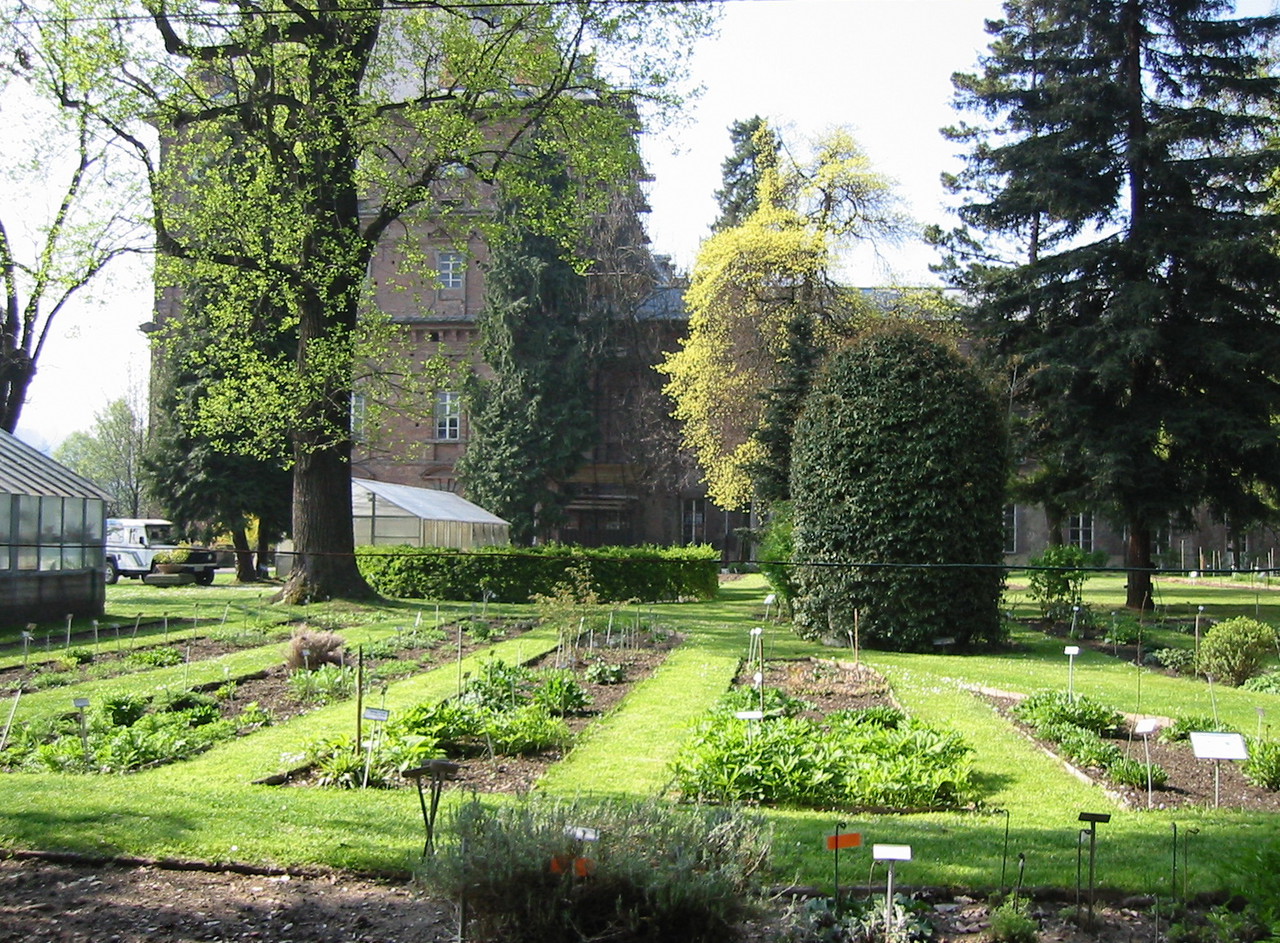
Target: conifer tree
{"points": [[1120, 248], [755, 146], [532, 423]]}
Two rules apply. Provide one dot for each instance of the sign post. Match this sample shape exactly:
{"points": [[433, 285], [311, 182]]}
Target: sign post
{"points": [[1145, 728], [892, 854], [1071, 651], [1218, 747], [1093, 818]]}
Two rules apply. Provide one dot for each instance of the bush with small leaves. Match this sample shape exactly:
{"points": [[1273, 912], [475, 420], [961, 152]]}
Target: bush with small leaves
{"points": [[1236, 649], [1012, 922], [661, 872]]}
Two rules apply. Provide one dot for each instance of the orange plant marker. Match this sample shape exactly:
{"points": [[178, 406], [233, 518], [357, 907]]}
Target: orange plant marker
{"points": [[844, 840]]}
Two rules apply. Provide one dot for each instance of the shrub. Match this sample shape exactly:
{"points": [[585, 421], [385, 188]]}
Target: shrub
{"points": [[309, 649], [661, 872], [777, 549], [1262, 768], [1236, 649], [616, 574], [1058, 588], [1130, 772], [1058, 707], [899, 457]]}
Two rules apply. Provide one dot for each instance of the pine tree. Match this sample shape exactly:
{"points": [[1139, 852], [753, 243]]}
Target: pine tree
{"points": [[755, 146], [532, 422], [1124, 251]]}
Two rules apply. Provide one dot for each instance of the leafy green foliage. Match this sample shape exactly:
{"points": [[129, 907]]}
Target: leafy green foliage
{"points": [[160, 657], [844, 760], [1236, 649], [324, 685], [1268, 683], [1185, 725], [602, 672], [1262, 768], [1012, 922], [561, 694], [1058, 707], [1181, 660], [1130, 772], [660, 872], [615, 574], [899, 464], [1059, 588], [859, 920]]}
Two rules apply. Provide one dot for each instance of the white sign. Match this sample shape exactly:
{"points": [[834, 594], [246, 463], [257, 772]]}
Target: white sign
{"points": [[1146, 726], [582, 833], [749, 715], [891, 852], [376, 713], [81, 702], [1219, 746], [1071, 650]]}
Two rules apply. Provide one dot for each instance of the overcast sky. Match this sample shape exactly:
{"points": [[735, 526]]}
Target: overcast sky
{"points": [[882, 67]]}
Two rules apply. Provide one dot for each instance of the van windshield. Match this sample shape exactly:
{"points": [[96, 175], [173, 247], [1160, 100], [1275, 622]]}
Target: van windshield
{"points": [[159, 534]]}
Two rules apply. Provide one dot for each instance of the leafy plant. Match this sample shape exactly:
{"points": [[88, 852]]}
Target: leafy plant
{"points": [[1130, 772], [560, 693], [1236, 649], [1262, 768], [324, 685], [1268, 683], [602, 672], [1181, 660], [123, 709], [254, 714], [1183, 726], [1058, 707], [1012, 922], [500, 685], [163, 656], [1056, 580]]}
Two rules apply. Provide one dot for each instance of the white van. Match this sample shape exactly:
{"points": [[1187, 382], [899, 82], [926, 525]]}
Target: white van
{"points": [[133, 542]]}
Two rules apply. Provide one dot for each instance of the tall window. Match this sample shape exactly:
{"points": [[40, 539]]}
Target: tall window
{"points": [[448, 415], [694, 525], [1080, 530], [1010, 528], [359, 416], [451, 268]]}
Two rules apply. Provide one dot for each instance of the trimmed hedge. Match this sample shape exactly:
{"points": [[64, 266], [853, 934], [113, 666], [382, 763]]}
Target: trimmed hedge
{"points": [[508, 574]]}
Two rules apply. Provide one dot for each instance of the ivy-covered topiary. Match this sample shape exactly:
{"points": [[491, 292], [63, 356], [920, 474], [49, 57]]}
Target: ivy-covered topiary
{"points": [[898, 475]]}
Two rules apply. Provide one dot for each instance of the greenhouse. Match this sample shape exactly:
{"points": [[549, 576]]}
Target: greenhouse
{"points": [[386, 514], [51, 533]]}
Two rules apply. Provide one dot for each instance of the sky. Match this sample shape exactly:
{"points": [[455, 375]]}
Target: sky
{"points": [[881, 67]]}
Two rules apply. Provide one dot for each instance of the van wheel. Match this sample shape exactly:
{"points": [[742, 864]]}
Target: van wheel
{"points": [[110, 572]]}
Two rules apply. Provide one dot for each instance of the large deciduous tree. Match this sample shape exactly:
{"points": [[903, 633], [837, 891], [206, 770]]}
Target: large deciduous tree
{"points": [[298, 137], [761, 293], [1121, 250], [898, 477], [70, 209], [110, 455]]}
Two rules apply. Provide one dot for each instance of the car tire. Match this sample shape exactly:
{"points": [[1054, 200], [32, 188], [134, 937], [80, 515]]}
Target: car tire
{"points": [[110, 573], [205, 577]]}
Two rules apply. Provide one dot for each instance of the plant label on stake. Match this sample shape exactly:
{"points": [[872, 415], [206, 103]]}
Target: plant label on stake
{"points": [[1071, 651], [892, 854], [1218, 747], [1145, 728]]}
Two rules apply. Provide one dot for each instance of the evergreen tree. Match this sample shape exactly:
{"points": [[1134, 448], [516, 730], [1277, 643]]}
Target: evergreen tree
{"points": [[897, 481], [1125, 251], [755, 146], [532, 422]]}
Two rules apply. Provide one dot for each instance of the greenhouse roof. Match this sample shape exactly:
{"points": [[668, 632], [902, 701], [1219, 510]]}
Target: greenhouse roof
{"points": [[428, 503], [24, 470]]}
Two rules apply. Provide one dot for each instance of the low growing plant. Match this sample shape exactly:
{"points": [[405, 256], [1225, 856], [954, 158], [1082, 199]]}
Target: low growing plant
{"points": [[325, 685], [1054, 707], [163, 656], [1012, 922], [1181, 660], [601, 672], [1268, 683], [1262, 768], [657, 873], [1130, 772], [1182, 727]]}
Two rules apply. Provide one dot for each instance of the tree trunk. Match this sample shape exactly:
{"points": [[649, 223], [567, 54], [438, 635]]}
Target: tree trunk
{"points": [[1138, 561], [246, 572]]}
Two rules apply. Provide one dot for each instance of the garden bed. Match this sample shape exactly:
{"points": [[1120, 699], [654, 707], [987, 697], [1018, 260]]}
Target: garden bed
{"points": [[1190, 781]]}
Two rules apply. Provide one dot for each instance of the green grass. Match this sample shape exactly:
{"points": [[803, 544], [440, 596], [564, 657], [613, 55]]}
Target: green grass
{"points": [[209, 809]]}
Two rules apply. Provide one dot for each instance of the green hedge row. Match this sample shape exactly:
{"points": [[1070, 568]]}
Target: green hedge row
{"points": [[510, 574]]}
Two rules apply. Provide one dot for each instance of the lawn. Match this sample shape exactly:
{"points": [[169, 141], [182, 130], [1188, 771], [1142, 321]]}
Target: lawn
{"points": [[209, 809]]}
